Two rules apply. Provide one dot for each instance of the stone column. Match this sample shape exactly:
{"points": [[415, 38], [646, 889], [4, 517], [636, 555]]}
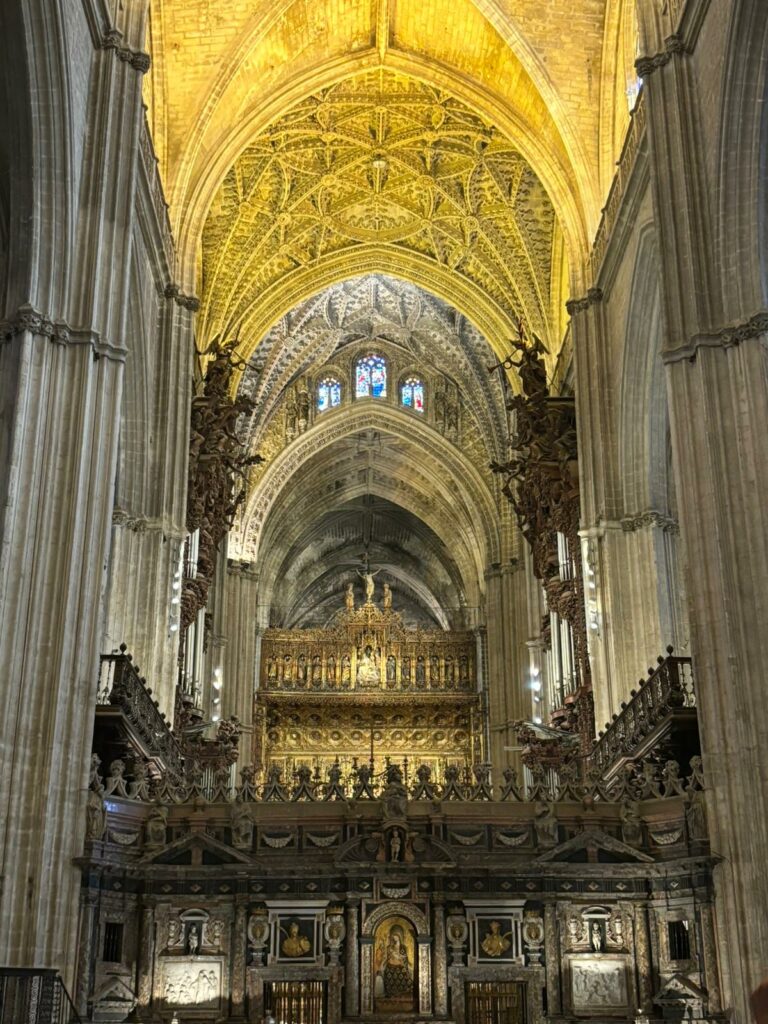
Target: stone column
{"points": [[88, 925], [440, 960], [240, 624], [709, 956], [716, 368], [643, 959], [146, 961], [149, 518], [61, 369], [551, 951], [238, 963], [352, 971]]}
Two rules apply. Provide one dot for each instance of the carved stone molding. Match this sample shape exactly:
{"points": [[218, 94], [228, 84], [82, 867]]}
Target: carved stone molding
{"points": [[145, 524], [574, 306], [244, 570], [726, 337], [650, 518], [190, 302], [137, 59], [28, 319], [673, 45]]}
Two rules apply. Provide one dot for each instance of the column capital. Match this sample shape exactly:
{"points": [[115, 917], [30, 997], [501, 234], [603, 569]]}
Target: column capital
{"points": [[674, 46], [190, 302], [137, 59]]}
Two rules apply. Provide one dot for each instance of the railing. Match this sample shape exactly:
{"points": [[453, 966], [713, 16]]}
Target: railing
{"points": [[668, 688], [456, 783], [121, 686], [35, 996]]}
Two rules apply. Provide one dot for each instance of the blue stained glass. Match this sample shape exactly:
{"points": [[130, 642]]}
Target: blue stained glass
{"points": [[371, 378], [328, 394], [412, 394]]}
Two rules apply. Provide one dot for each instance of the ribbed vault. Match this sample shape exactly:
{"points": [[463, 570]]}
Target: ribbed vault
{"points": [[379, 159]]}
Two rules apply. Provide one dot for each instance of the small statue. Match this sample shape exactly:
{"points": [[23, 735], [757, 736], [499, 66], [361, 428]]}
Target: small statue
{"points": [[395, 844], [596, 937], [193, 940], [349, 597], [387, 595], [295, 944], [370, 585], [156, 826]]}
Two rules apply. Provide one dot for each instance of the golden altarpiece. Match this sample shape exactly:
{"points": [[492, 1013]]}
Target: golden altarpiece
{"points": [[367, 687]]}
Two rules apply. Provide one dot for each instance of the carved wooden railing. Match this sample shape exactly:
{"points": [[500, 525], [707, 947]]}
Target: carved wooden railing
{"points": [[35, 995], [121, 687], [668, 688]]}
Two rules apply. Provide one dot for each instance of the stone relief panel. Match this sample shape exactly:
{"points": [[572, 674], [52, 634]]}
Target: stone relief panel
{"points": [[190, 983], [599, 984]]}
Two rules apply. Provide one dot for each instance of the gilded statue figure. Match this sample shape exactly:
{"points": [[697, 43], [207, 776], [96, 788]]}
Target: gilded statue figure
{"points": [[495, 942], [349, 597], [295, 944], [387, 595]]}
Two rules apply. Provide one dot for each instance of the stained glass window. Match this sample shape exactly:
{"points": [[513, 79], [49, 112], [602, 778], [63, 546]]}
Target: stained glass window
{"points": [[412, 394], [328, 394], [371, 377]]}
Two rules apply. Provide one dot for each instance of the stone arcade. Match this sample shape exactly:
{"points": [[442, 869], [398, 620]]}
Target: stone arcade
{"points": [[383, 387]]}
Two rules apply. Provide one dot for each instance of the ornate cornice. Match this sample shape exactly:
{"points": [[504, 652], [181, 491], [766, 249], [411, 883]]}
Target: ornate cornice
{"points": [[30, 320], [673, 46], [137, 59], [650, 518], [190, 302], [574, 306], [726, 337]]}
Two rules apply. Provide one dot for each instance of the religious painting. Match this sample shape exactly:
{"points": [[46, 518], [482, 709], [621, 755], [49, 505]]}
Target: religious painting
{"points": [[394, 967], [296, 938], [598, 983], [191, 984]]}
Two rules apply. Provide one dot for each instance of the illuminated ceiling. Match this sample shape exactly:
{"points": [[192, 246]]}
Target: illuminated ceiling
{"points": [[550, 77], [379, 161]]}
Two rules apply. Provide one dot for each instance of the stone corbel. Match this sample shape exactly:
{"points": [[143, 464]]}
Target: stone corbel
{"points": [[189, 302], [574, 306], [137, 59], [673, 46]]}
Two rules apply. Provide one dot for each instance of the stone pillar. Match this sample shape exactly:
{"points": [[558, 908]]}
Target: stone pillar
{"points": [[507, 608], [238, 963], [149, 518], [551, 952], [352, 971], [716, 370], [146, 962], [240, 624], [643, 960], [85, 959], [440, 961], [709, 956], [61, 370]]}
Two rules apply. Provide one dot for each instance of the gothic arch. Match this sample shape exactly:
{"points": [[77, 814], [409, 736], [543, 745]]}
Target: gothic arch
{"points": [[742, 164], [470, 485]]}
